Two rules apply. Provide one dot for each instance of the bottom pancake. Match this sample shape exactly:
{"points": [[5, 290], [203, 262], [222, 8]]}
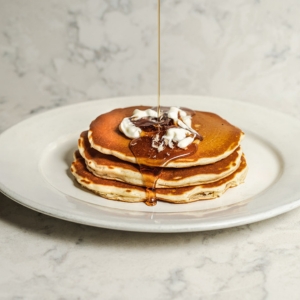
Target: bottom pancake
{"points": [[116, 190]]}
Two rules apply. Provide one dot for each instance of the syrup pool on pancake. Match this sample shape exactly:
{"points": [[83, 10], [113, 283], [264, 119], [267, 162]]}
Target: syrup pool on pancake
{"points": [[158, 137]]}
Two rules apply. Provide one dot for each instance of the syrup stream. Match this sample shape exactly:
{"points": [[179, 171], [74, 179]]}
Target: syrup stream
{"points": [[152, 162], [158, 59]]}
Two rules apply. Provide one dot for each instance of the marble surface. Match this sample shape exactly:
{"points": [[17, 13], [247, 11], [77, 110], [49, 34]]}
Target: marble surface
{"points": [[54, 53]]}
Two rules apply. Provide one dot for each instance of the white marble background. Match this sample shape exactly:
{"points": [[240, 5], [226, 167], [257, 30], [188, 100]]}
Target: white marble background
{"points": [[59, 52]]}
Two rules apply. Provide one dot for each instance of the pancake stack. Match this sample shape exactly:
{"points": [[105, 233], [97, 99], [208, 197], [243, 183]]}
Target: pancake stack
{"points": [[105, 164]]}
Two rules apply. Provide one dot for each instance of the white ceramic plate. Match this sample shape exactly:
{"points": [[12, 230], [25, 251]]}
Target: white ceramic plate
{"points": [[35, 156]]}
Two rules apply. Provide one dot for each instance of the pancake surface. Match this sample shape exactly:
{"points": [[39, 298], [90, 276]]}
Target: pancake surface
{"points": [[220, 138]]}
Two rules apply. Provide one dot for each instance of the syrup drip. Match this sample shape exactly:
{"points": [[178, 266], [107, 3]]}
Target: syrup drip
{"points": [[150, 160]]}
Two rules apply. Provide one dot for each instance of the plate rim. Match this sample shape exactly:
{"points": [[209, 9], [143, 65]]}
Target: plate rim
{"points": [[146, 227]]}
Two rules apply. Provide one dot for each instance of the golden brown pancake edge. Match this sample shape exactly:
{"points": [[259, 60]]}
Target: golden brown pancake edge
{"points": [[115, 190]]}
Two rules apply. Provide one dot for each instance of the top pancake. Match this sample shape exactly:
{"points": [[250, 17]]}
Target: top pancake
{"points": [[220, 138]]}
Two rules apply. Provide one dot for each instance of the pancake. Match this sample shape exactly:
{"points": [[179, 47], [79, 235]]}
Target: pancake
{"points": [[220, 138], [116, 190], [110, 167]]}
